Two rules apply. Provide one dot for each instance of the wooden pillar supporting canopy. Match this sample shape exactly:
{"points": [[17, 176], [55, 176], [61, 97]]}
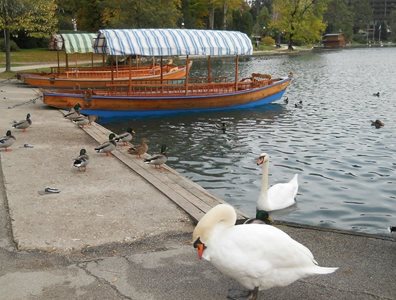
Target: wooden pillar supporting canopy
{"points": [[57, 55], [209, 70], [187, 75], [67, 61], [236, 72]]}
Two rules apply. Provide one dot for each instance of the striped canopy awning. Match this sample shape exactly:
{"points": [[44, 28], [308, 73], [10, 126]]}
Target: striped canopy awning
{"points": [[73, 42], [170, 42]]}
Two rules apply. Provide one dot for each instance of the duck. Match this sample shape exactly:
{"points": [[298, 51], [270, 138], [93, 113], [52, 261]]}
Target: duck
{"points": [[108, 146], [222, 127], [7, 140], [74, 112], [377, 94], [377, 123], [126, 136], [23, 124], [82, 160], [258, 256], [139, 150], [299, 104], [84, 121], [158, 159], [392, 230], [278, 196], [286, 100]]}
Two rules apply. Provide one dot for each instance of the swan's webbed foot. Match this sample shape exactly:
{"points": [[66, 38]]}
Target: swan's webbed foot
{"points": [[236, 294]]}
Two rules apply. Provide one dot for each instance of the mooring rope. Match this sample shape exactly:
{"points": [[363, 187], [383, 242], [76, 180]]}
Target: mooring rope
{"points": [[33, 100]]}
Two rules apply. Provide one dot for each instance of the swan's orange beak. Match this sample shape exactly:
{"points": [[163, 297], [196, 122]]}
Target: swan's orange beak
{"points": [[259, 161], [200, 250]]}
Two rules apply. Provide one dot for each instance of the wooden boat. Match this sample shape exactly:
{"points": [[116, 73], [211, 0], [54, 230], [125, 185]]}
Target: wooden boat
{"points": [[142, 97], [100, 77]]}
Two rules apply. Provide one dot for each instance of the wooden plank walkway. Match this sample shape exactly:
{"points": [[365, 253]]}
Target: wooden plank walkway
{"points": [[189, 196]]}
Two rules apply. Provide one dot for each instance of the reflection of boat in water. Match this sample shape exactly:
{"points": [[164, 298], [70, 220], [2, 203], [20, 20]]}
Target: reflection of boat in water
{"points": [[137, 98]]}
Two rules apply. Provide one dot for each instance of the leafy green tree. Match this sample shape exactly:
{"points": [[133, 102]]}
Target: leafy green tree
{"points": [[339, 18], [36, 17], [299, 20], [362, 14], [262, 21], [392, 24]]}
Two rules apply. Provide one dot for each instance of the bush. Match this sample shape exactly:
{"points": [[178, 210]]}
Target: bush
{"points": [[268, 41], [14, 46]]}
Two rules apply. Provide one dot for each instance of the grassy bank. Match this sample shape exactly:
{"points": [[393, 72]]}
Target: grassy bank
{"points": [[37, 56]]}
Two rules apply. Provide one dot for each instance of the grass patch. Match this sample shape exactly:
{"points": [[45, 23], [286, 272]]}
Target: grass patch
{"points": [[37, 56], [7, 75]]}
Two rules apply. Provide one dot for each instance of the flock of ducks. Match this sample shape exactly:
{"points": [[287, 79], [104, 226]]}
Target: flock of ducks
{"points": [[123, 139]]}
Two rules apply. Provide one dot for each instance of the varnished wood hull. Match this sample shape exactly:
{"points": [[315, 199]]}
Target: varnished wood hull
{"points": [[142, 105], [101, 80]]}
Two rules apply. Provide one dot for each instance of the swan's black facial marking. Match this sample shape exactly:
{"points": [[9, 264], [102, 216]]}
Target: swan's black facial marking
{"points": [[198, 242]]}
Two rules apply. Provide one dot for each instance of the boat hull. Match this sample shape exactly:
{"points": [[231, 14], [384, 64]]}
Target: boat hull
{"points": [[120, 106], [46, 81]]}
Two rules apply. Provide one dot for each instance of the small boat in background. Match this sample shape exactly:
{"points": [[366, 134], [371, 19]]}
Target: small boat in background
{"points": [[160, 96], [99, 77], [94, 76]]}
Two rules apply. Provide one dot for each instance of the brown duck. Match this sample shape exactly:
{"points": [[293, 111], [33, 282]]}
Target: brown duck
{"points": [[139, 149]]}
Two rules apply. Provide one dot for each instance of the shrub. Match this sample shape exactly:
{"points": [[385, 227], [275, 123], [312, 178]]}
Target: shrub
{"points": [[14, 46], [268, 41]]}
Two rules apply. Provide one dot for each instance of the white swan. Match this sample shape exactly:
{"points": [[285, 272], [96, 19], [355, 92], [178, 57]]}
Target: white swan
{"points": [[278, 196], [258, 256]]}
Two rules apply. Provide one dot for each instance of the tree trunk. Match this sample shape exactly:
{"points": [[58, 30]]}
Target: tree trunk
{"points": [[225, 9], [7, 45], [211, 17]]}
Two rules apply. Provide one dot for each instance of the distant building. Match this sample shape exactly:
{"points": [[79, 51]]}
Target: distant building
{"points": [[334, 40]]}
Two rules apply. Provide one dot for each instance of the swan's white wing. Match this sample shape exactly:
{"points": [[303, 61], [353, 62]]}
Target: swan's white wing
{"points": [[260, 255], [283, 195]]}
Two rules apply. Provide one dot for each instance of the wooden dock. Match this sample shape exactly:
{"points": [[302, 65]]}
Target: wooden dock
{"points": [[189, 196]]}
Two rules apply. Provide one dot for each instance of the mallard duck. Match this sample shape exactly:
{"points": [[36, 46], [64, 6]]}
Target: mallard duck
{"points": [[158, 159], [83, 120], [82, 160], [108, 146], [377, 94], [126, 137], [258, 256], [276, 197], [139, 150], [299, 104], [377, 123], [74, 112], [7, 140], [23, 124]]}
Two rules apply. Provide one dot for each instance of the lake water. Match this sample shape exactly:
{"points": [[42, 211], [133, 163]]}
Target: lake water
{"points": [[346, 166]]}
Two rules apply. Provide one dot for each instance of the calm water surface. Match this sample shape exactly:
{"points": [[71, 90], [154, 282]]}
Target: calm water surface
{"points": [[346, 167]]}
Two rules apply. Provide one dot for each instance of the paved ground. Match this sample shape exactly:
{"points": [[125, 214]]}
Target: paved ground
{"points": [[81, 245]]}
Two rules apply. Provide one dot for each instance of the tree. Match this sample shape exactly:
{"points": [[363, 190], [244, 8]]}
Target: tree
{"points": [[262, 21], [299, 20], [339, 18], [36, 17]]}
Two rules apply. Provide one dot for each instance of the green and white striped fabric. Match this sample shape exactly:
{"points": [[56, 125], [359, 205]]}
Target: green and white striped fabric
{"points": [[78, 42], [73, 42]]}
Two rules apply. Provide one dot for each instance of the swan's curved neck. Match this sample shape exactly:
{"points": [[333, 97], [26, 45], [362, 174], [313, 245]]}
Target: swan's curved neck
{"points": [[262, 203]]}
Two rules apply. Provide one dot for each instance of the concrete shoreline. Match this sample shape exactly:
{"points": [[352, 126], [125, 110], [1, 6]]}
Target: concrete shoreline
{"points": [[105, 238]]}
